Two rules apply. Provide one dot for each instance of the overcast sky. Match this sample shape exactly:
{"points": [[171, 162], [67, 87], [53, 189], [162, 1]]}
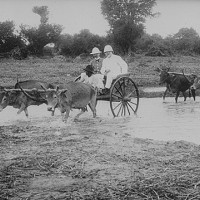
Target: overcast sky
{"points": [[76, 15]]}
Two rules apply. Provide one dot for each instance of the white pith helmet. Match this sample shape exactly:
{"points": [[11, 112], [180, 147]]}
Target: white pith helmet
{"points": [[108, 48], [95, 50]]}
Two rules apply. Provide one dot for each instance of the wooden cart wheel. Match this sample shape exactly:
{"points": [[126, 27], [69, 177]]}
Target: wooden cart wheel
{"points": [[124, 97]]}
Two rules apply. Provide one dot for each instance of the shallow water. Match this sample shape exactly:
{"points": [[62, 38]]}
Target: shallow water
{"points": [[153, 89], [156, 119]]}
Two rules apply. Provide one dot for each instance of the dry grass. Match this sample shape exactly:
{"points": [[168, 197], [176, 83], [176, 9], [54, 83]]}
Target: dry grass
{"points": [[60, 71]]}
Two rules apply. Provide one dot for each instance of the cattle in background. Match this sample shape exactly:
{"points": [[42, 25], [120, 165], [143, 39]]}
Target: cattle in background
{"points": [[75, 95], [196, 85], [17, 99], [175, 82]]}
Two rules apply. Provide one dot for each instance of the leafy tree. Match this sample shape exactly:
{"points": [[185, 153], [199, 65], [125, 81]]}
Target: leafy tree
{"points": [[126, 19], [125, 36], [46, 33], [185, 40], [81, 43], [43, 12], [64, 44], [8, 39]]}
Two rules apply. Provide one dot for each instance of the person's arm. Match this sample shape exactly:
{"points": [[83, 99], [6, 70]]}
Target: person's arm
{"points": [[82, 79], [91, 63], [123, 66], [103, 69]]}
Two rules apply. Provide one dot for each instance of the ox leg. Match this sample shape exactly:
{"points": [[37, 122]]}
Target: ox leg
{"points": [[165, 92], [66, 115], [193, 93], [184, 95], [92, 106], [78, 115], [23, 108], [52, 112], [177, 94], [26, 112]]}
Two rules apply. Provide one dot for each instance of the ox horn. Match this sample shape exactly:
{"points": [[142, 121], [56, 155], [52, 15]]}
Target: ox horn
{"points": [[32, 97], [43, 87], [157, 69]]}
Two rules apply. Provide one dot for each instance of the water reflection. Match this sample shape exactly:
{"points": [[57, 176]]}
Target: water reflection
{"points": [[155, 119]]}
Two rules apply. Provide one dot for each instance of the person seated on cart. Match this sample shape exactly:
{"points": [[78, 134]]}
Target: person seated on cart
{"points": [[96, 62], [112, 66], [89, 77]]}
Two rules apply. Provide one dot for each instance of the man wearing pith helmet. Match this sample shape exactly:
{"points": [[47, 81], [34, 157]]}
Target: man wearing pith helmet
{"points": [[97, 61], [112, 66]]}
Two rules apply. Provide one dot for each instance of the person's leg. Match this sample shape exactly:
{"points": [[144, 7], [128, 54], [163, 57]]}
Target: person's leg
{"points": [[109, 81]]}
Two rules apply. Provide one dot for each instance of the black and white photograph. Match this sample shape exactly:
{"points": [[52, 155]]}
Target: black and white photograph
{"points": [[99, 99]]}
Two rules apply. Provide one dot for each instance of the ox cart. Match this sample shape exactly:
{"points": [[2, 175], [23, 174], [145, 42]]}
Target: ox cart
{"points": [[123, 96]]}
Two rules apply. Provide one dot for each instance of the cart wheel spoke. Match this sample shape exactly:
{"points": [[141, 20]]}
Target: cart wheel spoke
{"points": [[130, 106], [127, 109], [131, 93], [117, 89], [124, 107], [133, 103], [119, 110], [117, 96], [123, 90], [117, 106], [123, 110]]}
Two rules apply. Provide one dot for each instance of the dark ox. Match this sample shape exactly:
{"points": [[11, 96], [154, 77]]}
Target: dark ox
{"points": [[76, 95], [176, 82], [16, 98]]}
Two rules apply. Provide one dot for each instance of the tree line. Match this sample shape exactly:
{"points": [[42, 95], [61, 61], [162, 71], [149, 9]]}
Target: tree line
{"points": [[127, 34]]}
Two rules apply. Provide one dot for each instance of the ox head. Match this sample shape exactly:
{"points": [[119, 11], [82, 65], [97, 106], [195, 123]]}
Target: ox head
{"points": [[163, 74], [195, 86], [64, 99], [6, 97], [193, 81], [52, 100], [60, 98]]}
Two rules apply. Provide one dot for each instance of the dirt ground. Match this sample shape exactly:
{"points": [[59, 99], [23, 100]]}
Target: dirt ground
{"points": [[90, 159]]}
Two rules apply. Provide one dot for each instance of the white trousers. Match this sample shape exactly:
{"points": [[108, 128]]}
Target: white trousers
{"points": [[99, 80], [109, 80]]}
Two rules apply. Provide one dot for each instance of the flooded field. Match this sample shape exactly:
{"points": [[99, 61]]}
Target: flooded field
{"points": [[156, 119]]}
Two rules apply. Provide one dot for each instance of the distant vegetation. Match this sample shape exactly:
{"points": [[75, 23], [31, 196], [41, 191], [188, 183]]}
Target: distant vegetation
{"points": [[127, 35]]}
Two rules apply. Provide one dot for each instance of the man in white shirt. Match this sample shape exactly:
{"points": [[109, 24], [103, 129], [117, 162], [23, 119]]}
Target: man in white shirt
{"points": [[112, 66]]}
